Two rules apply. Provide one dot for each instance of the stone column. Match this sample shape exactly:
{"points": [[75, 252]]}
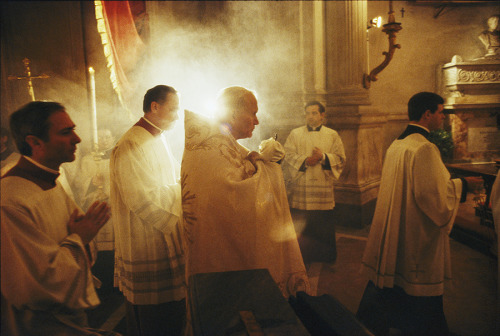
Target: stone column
{"points": [[334, 57]]}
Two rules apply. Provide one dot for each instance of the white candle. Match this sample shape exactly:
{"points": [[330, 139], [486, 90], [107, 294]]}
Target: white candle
{"points": [[94, 108]]}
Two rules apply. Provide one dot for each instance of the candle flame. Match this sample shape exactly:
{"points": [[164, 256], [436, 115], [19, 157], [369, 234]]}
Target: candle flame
{"points": [[91, 70]]}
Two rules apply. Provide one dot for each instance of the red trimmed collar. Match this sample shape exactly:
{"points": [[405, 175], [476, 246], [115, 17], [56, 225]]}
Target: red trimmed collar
{"points": [[148, 127], [27, 170]]}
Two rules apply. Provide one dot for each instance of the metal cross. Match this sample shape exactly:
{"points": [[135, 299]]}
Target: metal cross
{"points": [[402, 12], [28, 77]]}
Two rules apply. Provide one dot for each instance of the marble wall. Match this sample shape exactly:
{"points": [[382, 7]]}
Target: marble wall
{"points": [[430, 37], [472, 97]]}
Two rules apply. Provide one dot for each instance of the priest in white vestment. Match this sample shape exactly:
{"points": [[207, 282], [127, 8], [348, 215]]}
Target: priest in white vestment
{"points": [[146, 205], [315, 158], [407, 255], [46, 259], [236, 213]]}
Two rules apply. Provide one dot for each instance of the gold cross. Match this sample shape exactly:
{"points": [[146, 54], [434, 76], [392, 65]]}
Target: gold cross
{"points": [[28, 77]]}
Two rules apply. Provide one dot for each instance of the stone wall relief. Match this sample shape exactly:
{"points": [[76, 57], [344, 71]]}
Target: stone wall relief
{"points": [[491, 38], [471, 89]]}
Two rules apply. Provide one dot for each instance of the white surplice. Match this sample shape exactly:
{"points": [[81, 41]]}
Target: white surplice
{"points": [[146, 207], [408, 244], [46, 279], [312, 189]]}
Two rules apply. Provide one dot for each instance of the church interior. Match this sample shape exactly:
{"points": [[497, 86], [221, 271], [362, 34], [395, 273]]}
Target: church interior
{"points": [[362, 59]]}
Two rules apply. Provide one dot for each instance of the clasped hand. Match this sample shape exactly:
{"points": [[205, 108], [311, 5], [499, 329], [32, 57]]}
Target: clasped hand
{"points": [[87, 226], [315, 158]]}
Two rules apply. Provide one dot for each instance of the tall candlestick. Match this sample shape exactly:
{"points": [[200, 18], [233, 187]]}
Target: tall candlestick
{"points": [[94, 109]]}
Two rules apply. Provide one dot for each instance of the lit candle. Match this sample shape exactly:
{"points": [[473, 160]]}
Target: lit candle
{"points": [[94, 108]]}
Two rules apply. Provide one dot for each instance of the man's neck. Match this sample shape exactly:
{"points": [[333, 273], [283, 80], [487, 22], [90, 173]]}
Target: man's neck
{"points": [[314, 126], [149, 126], [414, 123], [38, 163], [152, 122]]}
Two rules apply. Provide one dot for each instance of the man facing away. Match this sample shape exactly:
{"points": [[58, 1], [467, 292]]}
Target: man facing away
{"points": [[407, 255], [145, 198], [314, 159], [46, 259]]}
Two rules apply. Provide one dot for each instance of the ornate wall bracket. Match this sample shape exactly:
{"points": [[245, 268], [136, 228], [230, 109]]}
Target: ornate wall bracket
{"points": [[391, 28]]}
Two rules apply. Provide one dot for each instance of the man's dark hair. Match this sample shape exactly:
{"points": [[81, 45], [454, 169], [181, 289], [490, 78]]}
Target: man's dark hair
{"points": [[315, 102], [32, 119], [421, 102], [157, 94]]}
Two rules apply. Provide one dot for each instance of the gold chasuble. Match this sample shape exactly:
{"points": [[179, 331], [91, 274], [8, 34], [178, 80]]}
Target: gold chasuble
{"points": [[236, 217]]}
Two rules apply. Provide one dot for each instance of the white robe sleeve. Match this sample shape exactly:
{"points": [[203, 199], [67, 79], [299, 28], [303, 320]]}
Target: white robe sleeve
{"points": [[38, 272], [156, 205], [435, 193], [336, 156]]}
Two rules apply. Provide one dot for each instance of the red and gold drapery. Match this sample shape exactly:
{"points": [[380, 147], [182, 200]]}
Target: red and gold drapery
{"points": [[122, 44]]}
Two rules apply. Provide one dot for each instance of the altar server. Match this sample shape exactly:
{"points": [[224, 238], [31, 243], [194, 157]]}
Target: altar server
{"points": [[314, 160], [145, 198], [407, 255], [46, 258]]}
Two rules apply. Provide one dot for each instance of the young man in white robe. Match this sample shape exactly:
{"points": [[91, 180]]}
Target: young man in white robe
{"points": [[236, 214], [46, 258], [407, 255], [314, 160], [146, 203]]}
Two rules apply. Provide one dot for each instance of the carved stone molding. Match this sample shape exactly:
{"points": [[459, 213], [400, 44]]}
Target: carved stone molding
{"points": [[472, 96], [478, 76], [473, 82]]}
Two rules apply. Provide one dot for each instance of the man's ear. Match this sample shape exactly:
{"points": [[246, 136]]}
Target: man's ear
{"points": [[426, 115], [154, 106], [33, 141], [234, 115]]}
